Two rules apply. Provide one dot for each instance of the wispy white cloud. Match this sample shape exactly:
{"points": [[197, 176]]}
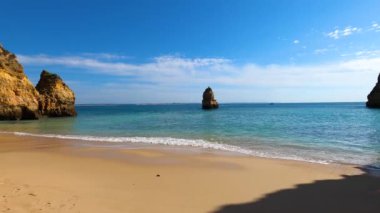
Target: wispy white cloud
{"points": [[375, 27], [296, 41], [347, 31], [162, 65], [362, 54], [368, 53], [106, 56], [173, 76], [172, 70]]}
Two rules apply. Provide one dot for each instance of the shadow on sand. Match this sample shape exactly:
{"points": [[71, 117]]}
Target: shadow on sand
{"points": [[352, 194]]}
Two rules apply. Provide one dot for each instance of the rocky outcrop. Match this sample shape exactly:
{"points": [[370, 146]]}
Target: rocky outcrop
{"points": [[56, 98], [374, 96], [18, 97], [209, 101]]}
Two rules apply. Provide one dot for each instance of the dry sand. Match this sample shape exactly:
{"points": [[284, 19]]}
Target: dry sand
{"points": [[51, 175]]}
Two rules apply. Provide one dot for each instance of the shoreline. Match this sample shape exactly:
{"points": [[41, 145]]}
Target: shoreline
{"points": [[53, 175], [187, 145], [173, 149]]}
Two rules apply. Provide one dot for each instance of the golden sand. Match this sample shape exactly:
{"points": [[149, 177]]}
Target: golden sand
{"points": [[51, 175]]}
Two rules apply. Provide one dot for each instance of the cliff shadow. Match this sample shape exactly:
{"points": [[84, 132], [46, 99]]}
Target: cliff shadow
{"points": [[351, 194]]}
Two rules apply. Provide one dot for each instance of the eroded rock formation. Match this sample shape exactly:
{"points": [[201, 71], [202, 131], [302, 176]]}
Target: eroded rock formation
{"points": [[18, 97], [56, 98], [374, 96], [209, 101]]}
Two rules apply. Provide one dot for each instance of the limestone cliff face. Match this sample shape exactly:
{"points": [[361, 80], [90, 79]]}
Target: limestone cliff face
{"points": [[18, 97], [374, 96], [56, 98], [209, 101]]}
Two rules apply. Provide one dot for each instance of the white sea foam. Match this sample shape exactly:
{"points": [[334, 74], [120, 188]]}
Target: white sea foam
{"points": [[197, 143]]}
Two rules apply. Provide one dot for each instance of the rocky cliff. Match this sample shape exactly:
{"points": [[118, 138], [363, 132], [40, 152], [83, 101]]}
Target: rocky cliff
{"points": [[56, 98], [209, 101], [18, 97], [374, 96]]}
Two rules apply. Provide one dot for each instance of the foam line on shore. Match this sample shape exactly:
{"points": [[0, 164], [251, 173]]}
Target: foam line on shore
{"points": [[196, 143]]}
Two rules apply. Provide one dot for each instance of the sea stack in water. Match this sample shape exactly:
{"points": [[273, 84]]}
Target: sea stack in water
{"points": [[374, 96], [209, 101], [56, 98], [18, 97]]}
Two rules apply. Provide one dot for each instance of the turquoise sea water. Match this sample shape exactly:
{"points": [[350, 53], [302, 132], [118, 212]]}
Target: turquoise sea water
{"points": [[325, 132]]}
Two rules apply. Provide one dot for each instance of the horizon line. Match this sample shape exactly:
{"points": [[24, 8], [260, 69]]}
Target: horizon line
{"points": [[200, 103]]}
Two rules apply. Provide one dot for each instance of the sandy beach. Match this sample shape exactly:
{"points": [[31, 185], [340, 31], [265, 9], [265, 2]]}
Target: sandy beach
{"points": [[51, 175]]}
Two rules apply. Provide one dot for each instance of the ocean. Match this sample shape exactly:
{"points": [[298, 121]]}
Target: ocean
{"points": [[343, 133]]}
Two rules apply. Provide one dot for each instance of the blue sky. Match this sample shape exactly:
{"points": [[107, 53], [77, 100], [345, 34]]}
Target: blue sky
{"points": [[162, 51]]}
